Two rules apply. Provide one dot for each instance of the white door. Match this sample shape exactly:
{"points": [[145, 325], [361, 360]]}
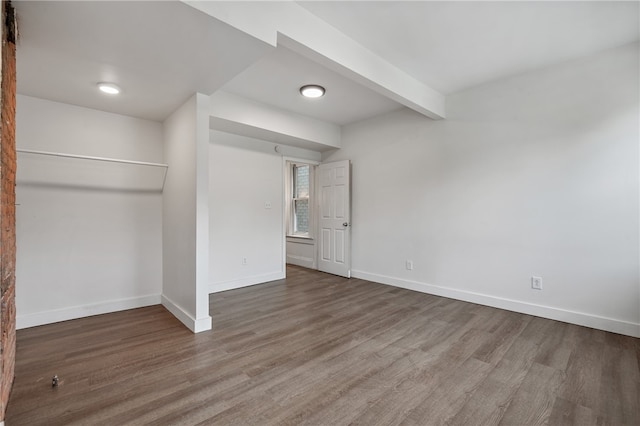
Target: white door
{"points": [[334, 199]]}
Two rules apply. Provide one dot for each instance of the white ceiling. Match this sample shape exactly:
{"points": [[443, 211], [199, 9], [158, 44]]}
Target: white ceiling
{"points": [[276, 80], [454, 45], [162, 52], [159, 53]]}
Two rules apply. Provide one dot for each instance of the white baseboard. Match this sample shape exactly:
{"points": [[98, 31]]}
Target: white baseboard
{"points": [[74, 312], [305, 262], [578, 318], [217, 287], [196, 325]]}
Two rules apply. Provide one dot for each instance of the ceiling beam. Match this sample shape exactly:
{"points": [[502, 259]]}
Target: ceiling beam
{"points": [[289, 25], [234, 114]]}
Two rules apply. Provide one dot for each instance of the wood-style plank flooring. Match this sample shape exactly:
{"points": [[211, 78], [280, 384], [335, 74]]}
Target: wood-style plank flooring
{"points": [[317, 349]]}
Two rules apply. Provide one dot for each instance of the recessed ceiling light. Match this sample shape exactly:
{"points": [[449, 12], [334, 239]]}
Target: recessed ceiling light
{"points": [[109, 88], [312, 91]]}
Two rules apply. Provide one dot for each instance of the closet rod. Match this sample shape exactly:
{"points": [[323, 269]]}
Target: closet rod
{"points": [[87, 157]]}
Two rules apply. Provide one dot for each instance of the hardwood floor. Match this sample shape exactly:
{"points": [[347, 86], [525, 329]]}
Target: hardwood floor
{"points": [[317, 349]]}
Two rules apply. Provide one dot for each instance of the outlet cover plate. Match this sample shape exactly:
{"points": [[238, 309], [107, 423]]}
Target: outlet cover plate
{"points": [[536, 283]]}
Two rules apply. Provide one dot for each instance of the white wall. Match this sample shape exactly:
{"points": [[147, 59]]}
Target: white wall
{"points": [[245, 174], [533, 175], [185, 232], [302, 252], [88, 233]]}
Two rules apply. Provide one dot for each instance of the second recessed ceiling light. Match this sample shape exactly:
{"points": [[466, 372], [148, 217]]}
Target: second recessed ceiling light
{"points": [[109, 88]]}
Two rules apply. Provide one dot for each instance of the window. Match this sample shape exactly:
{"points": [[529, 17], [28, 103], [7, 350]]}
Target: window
{"points": [[300, 207]]}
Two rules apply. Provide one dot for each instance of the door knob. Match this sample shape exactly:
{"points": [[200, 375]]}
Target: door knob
{"points": [[345, 224]]}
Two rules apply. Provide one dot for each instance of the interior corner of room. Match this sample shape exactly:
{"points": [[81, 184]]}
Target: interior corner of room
{"points": [[171, 153], [533, 173]]}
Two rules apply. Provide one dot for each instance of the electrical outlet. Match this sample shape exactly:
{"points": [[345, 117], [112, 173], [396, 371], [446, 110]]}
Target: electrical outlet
{"points": [[536, 283], [267, 205], [244, 261], [409, 265]]}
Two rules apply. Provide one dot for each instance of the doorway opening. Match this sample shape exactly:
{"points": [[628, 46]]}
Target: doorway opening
{"points": [[300, 214], [318, 216]]}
